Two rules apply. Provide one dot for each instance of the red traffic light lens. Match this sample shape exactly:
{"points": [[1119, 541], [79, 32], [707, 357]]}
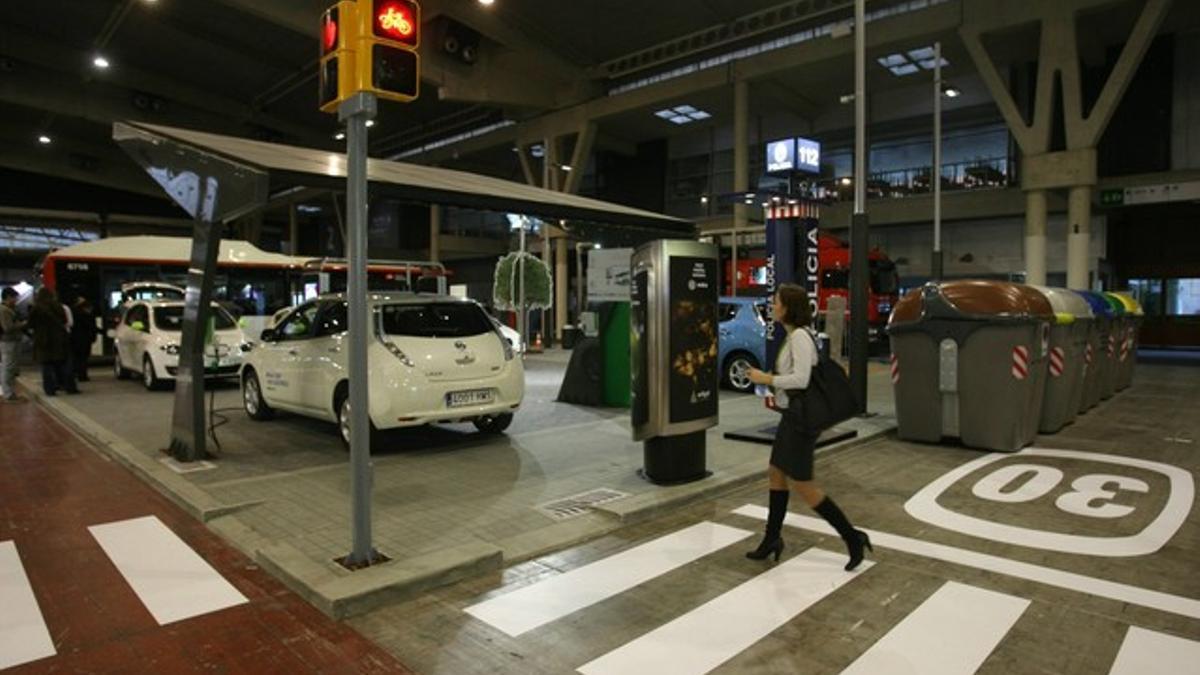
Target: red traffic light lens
{"points": [[329, 31], [396, 20]]}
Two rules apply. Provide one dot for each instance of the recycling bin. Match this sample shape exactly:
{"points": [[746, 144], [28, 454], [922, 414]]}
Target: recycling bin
{"points": [[1095, 355], [969, 361], [1112, 352], [1127, 343], [1066, 369]]}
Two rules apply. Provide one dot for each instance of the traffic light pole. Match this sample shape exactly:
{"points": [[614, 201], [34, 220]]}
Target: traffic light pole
{"points": [[860, 277], [355, 111]]}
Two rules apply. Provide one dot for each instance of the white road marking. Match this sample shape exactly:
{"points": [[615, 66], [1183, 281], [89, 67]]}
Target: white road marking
{"points": [[23, 633], [1147, 652], [1144, 597], [540, 603], [720, 629], [951, 633], [171, 580]]}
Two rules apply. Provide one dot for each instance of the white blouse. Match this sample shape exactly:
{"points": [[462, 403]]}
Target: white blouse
{"points": [[794, 365]]}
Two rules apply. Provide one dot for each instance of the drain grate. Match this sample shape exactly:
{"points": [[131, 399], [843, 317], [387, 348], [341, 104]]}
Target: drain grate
{"points": [[577, 505]]}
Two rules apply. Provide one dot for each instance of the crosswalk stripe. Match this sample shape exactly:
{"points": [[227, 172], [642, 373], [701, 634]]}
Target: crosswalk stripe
{"points": [[1148, 652], [540, 603], [951, 633], [23, 633], [1144, 597], [171, 580], [720, 629]]}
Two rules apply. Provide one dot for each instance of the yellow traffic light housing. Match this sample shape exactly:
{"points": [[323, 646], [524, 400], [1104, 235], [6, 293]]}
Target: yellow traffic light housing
{"points": [[338, 74]]}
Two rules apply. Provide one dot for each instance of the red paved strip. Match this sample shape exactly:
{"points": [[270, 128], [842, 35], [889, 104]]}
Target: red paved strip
{"points": [[53, 486]]}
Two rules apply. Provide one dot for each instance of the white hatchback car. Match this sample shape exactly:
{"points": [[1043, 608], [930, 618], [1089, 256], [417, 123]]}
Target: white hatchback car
{"points": [[432, 360], [147, 342]]}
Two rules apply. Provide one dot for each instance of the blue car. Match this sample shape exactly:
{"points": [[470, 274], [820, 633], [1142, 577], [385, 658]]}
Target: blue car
{"points": [[743, 339]]}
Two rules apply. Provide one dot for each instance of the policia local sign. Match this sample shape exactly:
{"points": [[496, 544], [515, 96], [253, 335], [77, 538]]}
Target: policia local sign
{"points": [[793, 154]]}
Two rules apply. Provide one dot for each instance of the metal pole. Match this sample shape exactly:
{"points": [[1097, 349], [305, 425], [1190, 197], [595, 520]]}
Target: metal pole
{"points": [[579, 281], [355, 112], [859, 234], [522, 319], [741, 170], [935, 174]]}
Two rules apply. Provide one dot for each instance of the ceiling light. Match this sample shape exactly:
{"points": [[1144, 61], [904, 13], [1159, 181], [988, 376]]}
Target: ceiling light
{"points": [[922, 54], [44, 139], [932, 63], [339, 136], [683, 114], [370, 123], [846, 180], [846, 98], [487, 3], [951, 92], [596, 246], [565, 167], [703, 199], [100, 62], [906, 69], [892, 60]]}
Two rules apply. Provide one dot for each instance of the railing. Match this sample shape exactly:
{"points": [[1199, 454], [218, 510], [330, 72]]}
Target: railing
{"points": [[994, 172]]}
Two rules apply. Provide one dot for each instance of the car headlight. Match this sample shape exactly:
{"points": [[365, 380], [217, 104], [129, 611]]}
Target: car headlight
{"points": [[396, 351], [172, 349]]}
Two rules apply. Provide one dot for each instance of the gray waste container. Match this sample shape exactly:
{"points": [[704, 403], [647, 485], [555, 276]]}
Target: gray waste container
{"points": [[1065, 368], [1111, 361], [1095, 357], [969, 361], [1127, 342]]}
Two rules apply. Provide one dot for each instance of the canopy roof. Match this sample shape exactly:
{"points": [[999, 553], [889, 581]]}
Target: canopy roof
{"points": [[291, 165]]}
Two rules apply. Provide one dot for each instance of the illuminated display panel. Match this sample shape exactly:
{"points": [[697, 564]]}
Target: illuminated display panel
{"points": [[396, 20]]}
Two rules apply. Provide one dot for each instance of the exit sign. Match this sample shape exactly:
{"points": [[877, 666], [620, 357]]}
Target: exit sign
{"points": [[1112, 197]]}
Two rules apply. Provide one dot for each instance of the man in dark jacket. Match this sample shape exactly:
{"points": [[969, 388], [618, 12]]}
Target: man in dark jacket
{"points": [[83, 335], [51, 342]]}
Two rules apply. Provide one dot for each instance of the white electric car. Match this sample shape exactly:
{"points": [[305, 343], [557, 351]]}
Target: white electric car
{"points": [[432, 359], [147, 342]]}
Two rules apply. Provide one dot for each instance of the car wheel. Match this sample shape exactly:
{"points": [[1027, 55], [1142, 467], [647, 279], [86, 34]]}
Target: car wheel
{"points": [[149, 378], [737, 372], [252, 398], [493, 424], [343, 422], [119, 370]]}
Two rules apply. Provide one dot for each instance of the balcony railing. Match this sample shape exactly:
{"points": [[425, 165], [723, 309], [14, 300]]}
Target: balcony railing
{"points": [[994, 172]]}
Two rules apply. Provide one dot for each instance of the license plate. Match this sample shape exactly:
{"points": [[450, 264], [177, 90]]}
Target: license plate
{"points": [[460, 399]]}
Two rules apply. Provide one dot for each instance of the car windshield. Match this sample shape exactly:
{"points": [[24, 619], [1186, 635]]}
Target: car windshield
{"points": [[170, 318], [153, 293], [434, 320]]}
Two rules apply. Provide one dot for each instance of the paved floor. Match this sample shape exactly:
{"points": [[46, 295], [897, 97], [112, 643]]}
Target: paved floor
{"points": [[1102, 579], [446, 496], [101, 574]]}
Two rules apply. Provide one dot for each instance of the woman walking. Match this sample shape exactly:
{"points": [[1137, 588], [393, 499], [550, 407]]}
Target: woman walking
{"points": [[52, 342], [792, 451]]}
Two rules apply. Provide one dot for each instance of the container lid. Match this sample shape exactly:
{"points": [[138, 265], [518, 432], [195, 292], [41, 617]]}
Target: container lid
{"points": [[979, 300], [1066, 304], [1098, 303], [1118, 306], [1132, 306]]}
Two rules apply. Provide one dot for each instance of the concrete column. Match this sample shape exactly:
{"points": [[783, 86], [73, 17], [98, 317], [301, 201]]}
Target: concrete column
{"points": [[1079, 236], [293, 230], [741, 167], [435, 232], [560, 287], [1035, 237]]}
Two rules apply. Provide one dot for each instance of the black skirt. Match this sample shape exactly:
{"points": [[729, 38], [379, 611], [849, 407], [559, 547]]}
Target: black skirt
{"points": [[792, 450]]}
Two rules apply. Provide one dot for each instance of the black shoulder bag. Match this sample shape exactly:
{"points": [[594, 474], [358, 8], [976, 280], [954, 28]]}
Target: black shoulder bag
{"points": [[827, 400]]}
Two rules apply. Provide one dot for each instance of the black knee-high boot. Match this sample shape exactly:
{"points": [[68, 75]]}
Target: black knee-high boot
{"points": [[856, 540], [772, 542]]}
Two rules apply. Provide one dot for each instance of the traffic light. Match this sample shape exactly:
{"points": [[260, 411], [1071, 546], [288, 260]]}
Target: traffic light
{"points": [[388, 65], [337, 77]]}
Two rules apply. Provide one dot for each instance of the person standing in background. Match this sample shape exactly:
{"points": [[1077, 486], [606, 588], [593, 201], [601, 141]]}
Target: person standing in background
{"points": [[11, 328], [83, 336], [52, 342]]}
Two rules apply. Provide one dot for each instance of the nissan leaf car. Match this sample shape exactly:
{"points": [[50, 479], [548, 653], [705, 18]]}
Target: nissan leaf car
{"points": [[431, 360], [148, 335]]}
